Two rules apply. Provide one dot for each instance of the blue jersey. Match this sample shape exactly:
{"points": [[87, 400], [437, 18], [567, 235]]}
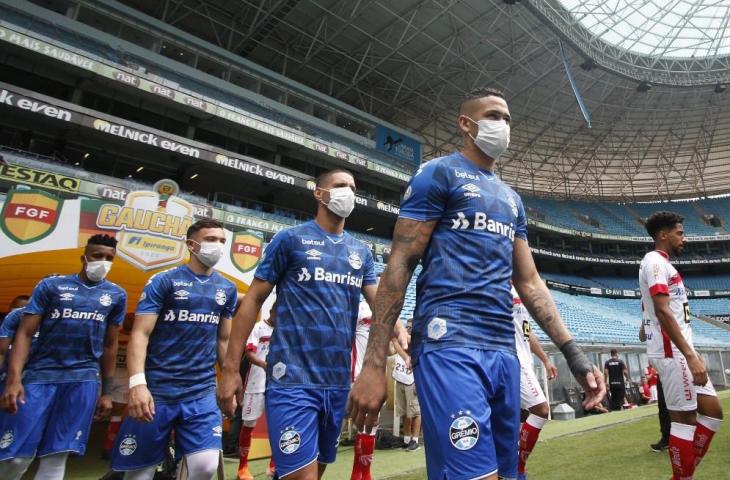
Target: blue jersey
{"points": [[318, 278], [182, 349], [8, 328], [463, 295], [74, 318]]}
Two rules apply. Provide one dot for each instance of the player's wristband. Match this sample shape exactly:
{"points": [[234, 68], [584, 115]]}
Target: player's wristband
{"points": [[107, 385], [137, 379], [577, 361]]}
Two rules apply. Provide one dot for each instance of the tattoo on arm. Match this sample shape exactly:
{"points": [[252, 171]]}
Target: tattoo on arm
{"points": [[542, 307], [409, 242]]}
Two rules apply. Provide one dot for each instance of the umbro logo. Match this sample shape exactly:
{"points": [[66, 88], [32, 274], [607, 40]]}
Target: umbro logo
{"points": [[66, 297], [471, 190], [313, 254], [181, 294], [304, 275]]}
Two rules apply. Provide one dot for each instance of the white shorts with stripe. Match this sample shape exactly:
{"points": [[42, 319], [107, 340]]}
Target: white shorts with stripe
{"points": [[680, 392], [530, 392]]}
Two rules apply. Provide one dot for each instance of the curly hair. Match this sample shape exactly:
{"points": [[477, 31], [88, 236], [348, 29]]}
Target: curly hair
{"points": [[658, 221], [102, 239]]}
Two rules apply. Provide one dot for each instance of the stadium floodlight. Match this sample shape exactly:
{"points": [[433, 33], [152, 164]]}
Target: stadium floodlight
{"points": [[720, 88], [140, 169], [192, 177], [644, 86]]}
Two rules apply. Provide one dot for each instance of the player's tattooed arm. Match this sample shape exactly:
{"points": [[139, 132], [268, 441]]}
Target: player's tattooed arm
{"points": [[410, 240], [14, 392]]}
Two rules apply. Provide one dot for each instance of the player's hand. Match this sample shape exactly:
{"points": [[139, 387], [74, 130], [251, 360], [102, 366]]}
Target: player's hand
{"points": [[409, 363], [366, 399], [698, 369], [229, 392], [141, 405], [594, 387], [551, 370], [103, 407], [13, 396], [400, 334]]}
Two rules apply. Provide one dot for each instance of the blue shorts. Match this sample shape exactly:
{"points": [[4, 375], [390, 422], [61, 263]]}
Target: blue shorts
{"points": [[197, 427], [55, 418], [304, 426], [470, 403]]}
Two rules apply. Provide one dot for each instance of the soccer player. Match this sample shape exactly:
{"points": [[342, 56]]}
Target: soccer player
{"points": [[533, 403], [120, 393], [181, 327], [651, 379], [319, 272], [690, 396], [8, 327], [616, 375], [51, 395], [257, 349], [468, 228]]}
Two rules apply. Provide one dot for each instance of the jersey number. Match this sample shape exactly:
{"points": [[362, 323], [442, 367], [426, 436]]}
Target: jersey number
{"points": [[686, 312], [526, 329]]}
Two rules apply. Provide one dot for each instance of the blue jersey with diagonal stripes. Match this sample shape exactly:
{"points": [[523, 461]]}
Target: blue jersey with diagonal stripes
{"points": [[318, 278], [8, 329], [74, 318], [181, 352], [463, 295]]}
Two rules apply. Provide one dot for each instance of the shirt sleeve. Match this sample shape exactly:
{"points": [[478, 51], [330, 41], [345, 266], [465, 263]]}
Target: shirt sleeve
{"points": [[369, 277], [10, 324], [427, 193], [521, 225], [252, 343], [153, 295], [116, 315], [230, 306], [655, 273], [39, 299], [274, 260]]}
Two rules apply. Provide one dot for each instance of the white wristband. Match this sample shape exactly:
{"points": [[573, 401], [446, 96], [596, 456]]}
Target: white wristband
{"points": [[137, 379]]}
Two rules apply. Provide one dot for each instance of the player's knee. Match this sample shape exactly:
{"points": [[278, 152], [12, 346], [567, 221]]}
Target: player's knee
{"points": [[541, 410], [249, 423], [14, 468], [202, 465]]}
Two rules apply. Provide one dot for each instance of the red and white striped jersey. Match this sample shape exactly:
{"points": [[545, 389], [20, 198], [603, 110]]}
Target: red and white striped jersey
{"points": [[362, 332], [659, 277]]}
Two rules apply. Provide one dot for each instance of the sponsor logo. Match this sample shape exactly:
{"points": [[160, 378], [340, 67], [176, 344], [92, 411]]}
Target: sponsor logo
{"points": [[289, 441], [278, 371], [105, 300], [218, 431], [188, 316], [112, 193], [409, 192], [147, 138], [29, 215], [151, 225], [313, 254], [513, 206], [34, 106], [180, 283], [436, 328], [246, 249], [7, 439], [76, 315], [304, 275], [354, 260], [463, 431], [386, 207], [125, 78], [254, 169], [321, 275], [318, 243], [40, 178], [472, 190], [79, 433], [220, 297], [128, 445], [481, 222], [465, 175], [181, 294], [66, 297]]}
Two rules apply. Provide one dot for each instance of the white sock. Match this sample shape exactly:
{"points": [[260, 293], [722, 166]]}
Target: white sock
{"points": [[52, 467], [536, 421], [406, 439], [14, 468], [202, 465], [147, 473], [415, 439], [709, 422]]}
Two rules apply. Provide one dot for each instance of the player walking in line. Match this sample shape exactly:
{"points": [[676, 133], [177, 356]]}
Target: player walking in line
{"points": [[181, 327], [8, 327], [51, 395], [533, 403], [252, 407], [469, 229], [319, 272], [690, 396]]}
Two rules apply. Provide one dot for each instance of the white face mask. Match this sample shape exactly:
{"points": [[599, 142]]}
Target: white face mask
{"points": [[97, 271], [492, 137], [210, 253], [342, 201]]}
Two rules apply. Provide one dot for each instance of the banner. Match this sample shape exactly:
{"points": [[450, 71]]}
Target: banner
{"points": [[172, 91], [393, 143], [622, 261]]}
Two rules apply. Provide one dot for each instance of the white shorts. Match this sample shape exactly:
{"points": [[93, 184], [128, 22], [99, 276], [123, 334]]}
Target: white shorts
{"points": [[252, 406], [679, 391], [530, 392], [120, 392]]}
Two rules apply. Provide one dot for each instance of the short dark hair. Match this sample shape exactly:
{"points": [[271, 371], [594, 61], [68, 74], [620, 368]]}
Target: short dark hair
{"points": [[102, 239], [20, 297], [322, 177], [658, 221], [478, 93], [614, 351], [201, 224]]}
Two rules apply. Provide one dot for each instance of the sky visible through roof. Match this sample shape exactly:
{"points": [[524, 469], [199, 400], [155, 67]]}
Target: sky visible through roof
{"points": [[658, 28]]}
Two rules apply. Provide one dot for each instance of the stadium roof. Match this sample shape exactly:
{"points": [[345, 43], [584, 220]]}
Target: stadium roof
{"points": [[410, 62]]}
